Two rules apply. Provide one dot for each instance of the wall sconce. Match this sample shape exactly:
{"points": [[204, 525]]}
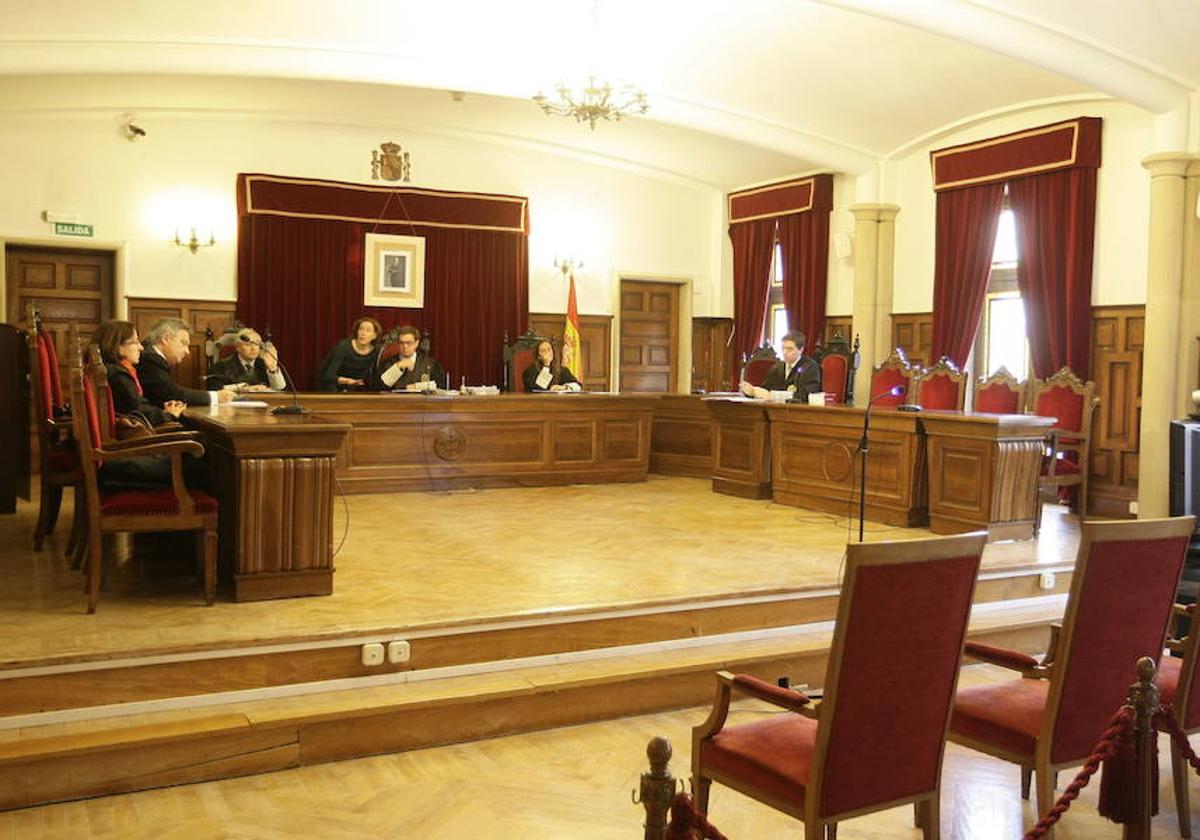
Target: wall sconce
{"points": [[193, 244], [567, 265]]}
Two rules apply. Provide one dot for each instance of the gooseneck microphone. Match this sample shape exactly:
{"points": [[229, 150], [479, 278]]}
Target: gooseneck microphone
{"points": [[894, 391]]}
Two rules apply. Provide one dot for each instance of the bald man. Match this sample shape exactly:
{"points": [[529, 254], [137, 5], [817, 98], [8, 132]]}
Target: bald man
{"points": [[255, 366]]}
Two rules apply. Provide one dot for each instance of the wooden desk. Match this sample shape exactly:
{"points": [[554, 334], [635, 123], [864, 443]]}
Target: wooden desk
{"points": [[815, 462], [681, 437], [741, 447], [402, 442], [274, 477], [983, 472]]}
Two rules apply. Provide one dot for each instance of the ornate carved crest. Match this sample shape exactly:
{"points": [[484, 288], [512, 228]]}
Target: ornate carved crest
{"points": [[390, 163], [450, 443]]}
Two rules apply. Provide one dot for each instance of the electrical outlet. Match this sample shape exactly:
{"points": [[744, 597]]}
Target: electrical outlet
{"points": [[1046, 580], [1133, 507], [398, 651], [372, 654]]}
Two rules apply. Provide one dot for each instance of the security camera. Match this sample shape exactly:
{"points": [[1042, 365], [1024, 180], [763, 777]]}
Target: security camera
{"points": [[133, 132]]}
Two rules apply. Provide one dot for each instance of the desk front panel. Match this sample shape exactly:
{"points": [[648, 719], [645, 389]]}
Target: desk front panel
{"points": [[681, 438], [815, 462], [400, 442]]}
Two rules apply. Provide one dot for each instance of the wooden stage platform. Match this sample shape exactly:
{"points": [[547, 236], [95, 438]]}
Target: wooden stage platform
{"points": [[523, 607]]}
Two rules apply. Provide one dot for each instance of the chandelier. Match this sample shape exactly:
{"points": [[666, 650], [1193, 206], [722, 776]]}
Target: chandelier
{"points": [[597, 101]]}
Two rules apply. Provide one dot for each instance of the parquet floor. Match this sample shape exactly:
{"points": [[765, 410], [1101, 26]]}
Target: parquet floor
{"points": [[435, 558], [570, 784]]}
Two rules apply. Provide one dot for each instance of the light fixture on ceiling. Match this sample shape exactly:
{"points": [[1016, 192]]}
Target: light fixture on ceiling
{"points": [[596, 101]]}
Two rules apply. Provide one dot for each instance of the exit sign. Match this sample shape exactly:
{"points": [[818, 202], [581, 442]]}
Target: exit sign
{"points": [[72, 229]]}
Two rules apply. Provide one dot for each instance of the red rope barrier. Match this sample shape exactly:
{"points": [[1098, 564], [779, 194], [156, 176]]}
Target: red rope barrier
{"points": [[687, 822], [1165, 721], [1105, 748]]}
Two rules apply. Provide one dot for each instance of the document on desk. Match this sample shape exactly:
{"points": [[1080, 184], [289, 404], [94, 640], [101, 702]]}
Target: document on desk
{"points": [[247, 403]]}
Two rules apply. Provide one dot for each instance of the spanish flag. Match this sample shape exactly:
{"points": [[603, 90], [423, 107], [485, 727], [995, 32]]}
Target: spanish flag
{"points": [[572, 350]]}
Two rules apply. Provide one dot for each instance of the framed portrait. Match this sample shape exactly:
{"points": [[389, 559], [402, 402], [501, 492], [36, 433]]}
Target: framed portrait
{"points": [[394, 271]]}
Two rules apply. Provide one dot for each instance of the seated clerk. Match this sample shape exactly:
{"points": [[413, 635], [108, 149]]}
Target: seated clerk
{"points": [[255, 366], [350, 365], [167, 346], [120, 349], [546, 374], [797, 373], [412, 366]]}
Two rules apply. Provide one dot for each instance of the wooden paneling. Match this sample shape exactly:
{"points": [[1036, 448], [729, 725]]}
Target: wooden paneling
{"points": [[400, 442], [1117, 336], [912, 332], [681, 437], [713, 367], [595, 334], [649, 348], [842, 325], [741, 448], [198, 314]]}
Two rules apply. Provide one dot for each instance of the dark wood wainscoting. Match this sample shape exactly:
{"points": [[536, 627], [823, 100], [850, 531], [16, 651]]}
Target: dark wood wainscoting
{"points": [[595, 333], [199, 314], [913, 332], [713, 367]]}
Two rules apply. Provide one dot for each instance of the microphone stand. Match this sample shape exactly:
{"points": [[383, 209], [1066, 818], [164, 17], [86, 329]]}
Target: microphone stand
{"points": [[863, 448], [295, 407]]}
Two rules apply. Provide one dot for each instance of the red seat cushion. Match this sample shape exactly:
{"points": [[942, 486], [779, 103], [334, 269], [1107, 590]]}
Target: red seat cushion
{"points": [[774, 755], [62, 460], [1007, 714], [151, 503], [1168, 679]]}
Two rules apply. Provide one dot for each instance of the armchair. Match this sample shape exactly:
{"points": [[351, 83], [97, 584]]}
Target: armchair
{"points": [[1179, 684], [756, 365], [1120, 601], [999, 393], [894, 370], [942, 386], [839, 362], [58, 460], [876, 740], [518, 356], [1073, 403]]}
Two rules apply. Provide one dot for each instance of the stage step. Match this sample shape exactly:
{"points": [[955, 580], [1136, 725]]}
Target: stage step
{"points": [[67, 683], [241, 735]]}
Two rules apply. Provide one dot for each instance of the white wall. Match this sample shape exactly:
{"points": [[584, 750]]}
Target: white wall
{"points": [[60, 149], [1122, 203]]}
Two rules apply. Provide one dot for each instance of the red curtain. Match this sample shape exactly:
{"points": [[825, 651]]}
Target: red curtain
{"points": [[1055, 216], [804, 241], [965, 239], [303, 278], [753, 243]]}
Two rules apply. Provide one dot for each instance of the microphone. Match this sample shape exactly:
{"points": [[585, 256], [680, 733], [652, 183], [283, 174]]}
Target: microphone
{"points": [[894, 391], [295, 407]]}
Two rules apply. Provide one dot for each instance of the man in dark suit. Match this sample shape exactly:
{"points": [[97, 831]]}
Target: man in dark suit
{"points": [[167, 346], [797, 373], [412, 367], [254, 367]]}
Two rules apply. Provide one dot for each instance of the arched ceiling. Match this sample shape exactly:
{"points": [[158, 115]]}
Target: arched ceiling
{"points": [[739, 92]]}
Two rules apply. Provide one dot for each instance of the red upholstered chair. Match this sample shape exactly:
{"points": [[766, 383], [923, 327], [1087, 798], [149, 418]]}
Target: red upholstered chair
{"points": [[999, 393], [942, 386], [1179, 683], [838, 365], [1073, 403], [58, 461], [1120, 602], [876, 740], [170, 509], [756, 365], [518, 356], [895, 370]]}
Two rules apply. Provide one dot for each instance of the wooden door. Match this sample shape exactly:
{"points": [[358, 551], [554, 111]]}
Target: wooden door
{"points": [[65, 285], [649, 336]]}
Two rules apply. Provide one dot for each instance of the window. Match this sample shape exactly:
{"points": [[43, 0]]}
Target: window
{"points": [[777, 319], [1002, 339]]}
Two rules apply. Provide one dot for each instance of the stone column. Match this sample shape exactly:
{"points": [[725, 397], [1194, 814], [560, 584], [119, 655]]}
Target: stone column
{"points": [[1163, 377], [874, 270]]}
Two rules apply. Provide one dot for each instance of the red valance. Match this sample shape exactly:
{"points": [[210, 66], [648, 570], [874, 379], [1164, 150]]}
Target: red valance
{"points": [[1048, 148], [797, 196], [310, 198]]}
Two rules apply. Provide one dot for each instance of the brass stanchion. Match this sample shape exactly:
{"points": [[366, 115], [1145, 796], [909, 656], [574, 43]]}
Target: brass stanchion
{"points": [[657, 789], [1143, 697]]}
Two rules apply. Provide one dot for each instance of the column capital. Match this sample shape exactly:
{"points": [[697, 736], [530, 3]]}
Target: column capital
{"points": [[874, 212], [1169, 164]]}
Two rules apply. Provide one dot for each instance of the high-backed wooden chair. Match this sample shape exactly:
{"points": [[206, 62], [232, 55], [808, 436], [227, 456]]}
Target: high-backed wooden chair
{"points": [[1179, 684], [894, 371], [839, 362], [1000, 393], [1073, 403], [58, 460], [518, 356], [173, 508], [876, 740], [756, 365], [942, 386], [1050, 718]]}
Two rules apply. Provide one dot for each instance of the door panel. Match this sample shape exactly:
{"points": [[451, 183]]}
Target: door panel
{"points": [[649, 350]]}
